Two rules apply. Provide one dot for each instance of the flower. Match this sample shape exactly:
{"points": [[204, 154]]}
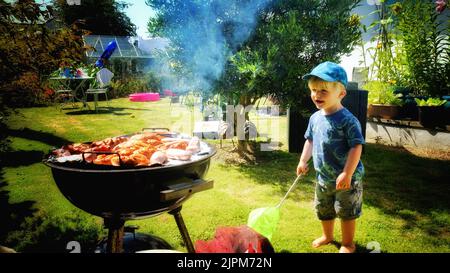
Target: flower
{"points": [[48, 92], [354, 20], [440, 5], [392, 81], [396, 8]]}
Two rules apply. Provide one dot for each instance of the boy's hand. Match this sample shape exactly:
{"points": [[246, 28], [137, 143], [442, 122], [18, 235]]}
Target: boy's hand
{"points": [[343, 181], [302, 168]]}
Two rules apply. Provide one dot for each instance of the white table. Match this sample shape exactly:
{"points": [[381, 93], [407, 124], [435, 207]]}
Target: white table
{"points": [[207, 129], [65, 81]]}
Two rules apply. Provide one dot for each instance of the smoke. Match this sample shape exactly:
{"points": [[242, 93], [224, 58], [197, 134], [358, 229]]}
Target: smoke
{"points": [[205, 33]]}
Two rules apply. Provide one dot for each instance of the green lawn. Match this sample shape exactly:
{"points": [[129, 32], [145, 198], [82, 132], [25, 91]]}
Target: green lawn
{"points": [[406, 197]]}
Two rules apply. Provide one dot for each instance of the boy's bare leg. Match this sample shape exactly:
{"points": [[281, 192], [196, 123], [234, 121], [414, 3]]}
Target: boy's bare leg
{"points": [[348, 232], [327, 234]]}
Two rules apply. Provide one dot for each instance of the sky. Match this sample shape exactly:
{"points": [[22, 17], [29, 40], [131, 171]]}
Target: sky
{"points": [[139, 14]]}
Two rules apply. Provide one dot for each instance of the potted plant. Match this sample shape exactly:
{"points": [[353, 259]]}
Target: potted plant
{"points": [[431, 112], [383, 103], [409, 110]]}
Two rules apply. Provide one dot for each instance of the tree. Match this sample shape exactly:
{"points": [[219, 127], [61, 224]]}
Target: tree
{"points": [[29, 50], [260, 48], [102, 17], [292, 37]]}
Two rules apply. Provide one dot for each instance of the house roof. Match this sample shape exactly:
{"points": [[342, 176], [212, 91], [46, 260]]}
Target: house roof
{"points": [[126, 48]]}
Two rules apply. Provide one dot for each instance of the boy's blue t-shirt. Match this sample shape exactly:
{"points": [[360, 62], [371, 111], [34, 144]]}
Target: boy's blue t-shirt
{"points": [[333, 136]]}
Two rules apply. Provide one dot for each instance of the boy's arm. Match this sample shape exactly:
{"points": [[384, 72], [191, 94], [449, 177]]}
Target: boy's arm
{"points": [[302, 167], [344, 179]]}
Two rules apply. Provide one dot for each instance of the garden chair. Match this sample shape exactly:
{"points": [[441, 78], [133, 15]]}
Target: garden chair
{"points": [[174, 99], [63, 97], [223, 128], [63, 94], [249, 129], [102, 81]]}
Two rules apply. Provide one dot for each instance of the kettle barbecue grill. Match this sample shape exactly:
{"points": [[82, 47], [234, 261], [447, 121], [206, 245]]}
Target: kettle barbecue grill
{"points": [[118, 194]]}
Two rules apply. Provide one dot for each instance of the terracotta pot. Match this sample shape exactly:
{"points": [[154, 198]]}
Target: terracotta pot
{"points": [[384, 111]]}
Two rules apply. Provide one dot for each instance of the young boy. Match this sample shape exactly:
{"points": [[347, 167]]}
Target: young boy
{"points": [[334, 140]]}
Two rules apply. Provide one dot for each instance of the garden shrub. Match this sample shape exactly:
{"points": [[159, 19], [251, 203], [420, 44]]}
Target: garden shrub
{"points": [[44, 233], [123, 87], [24, 91], [382, 93], [30, 50], [426, 47]]}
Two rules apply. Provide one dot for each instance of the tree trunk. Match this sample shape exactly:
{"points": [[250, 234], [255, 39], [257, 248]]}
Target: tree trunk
{"points": [[243, 145]]}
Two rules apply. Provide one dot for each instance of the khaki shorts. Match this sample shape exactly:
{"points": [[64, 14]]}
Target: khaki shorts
{"points": [[331, 203]]}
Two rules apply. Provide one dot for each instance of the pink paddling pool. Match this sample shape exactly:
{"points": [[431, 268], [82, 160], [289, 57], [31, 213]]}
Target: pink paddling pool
{"points": [[144, 97]]}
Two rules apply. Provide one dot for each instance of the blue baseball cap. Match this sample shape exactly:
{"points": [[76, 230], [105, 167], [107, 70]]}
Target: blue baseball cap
{"points": [[329, 72]]}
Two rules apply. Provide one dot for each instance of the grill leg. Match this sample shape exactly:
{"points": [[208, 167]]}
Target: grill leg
{"points": [[183, 230], [115, 235]]}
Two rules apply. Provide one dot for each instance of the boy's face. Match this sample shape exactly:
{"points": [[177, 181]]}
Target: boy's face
{"points": [[326, 95]]}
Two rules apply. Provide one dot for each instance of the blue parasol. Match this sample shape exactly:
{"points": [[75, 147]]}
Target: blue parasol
{"points": [[109, 50]]}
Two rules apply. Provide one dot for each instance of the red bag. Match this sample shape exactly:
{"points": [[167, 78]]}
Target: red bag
{"points": [[241, 239]]}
